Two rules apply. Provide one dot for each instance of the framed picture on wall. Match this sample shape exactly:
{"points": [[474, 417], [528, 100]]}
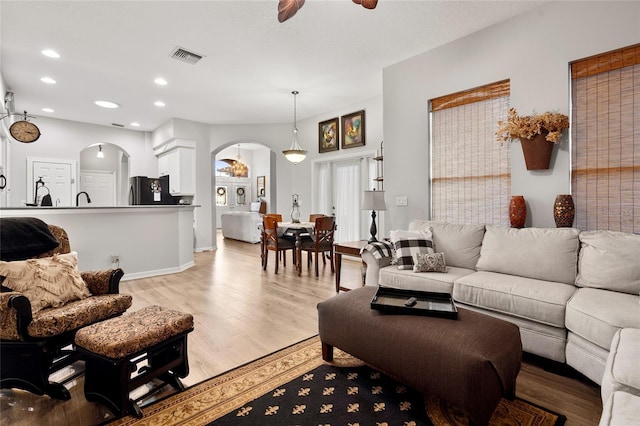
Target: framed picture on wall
{"points": [[328, 135], [261, 186], [353, 129]]}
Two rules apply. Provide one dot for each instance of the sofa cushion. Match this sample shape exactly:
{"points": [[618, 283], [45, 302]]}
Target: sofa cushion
{"points": [[596, 315], [425, 281], [459, 243], [24, 237], [549, 254], [429, 262], [537, 300], [46, 282], [78, 314], [609, 260], [621, 409], [622, 372], [408, 243]]}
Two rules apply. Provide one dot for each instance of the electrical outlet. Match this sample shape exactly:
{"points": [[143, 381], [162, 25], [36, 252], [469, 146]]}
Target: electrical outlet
{"points": [[401, 201], [115, 258]]}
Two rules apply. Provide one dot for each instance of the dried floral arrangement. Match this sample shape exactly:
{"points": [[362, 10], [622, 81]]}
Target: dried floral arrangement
{"points": [[518, 127]]}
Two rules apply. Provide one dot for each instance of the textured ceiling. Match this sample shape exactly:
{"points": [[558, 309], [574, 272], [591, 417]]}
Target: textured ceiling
{"points": [[333, 52]]}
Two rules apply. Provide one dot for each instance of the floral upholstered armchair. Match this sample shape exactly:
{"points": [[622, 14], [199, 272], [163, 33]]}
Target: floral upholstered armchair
{"points": [[44, 301]]}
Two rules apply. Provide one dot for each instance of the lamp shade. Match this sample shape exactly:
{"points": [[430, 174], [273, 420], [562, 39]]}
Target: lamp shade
{"points": [[373, 200]]}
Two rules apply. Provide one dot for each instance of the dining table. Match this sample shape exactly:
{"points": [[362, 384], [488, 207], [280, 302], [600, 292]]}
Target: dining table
{"points": [[297, 230]]}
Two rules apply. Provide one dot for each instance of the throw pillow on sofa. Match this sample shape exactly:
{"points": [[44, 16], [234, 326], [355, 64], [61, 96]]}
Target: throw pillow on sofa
{"points": [[609, 260], [429, 262], [460, 243], [46, 282], [408, 243]]}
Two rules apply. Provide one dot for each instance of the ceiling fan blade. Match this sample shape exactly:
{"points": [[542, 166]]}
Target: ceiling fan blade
{"points": [[368, 4], [288, 8]]}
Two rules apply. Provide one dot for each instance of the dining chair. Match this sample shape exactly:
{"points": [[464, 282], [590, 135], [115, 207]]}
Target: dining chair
{"points": [[321, 241], [306, 235], [272, 242], [278, 217]]}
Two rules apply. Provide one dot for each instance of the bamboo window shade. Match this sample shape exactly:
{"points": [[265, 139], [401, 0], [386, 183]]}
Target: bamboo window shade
{"points": [[470, 171], [605, 171]]}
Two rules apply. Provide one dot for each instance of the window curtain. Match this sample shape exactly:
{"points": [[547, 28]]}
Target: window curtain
{"points": [[470, 170], [605, 133], [324, 189], [347, 191]]}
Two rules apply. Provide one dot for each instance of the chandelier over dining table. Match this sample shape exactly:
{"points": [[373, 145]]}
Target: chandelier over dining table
{"points": [[295, 153]]}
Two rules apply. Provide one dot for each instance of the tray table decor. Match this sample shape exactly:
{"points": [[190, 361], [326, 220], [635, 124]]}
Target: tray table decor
{"points": [[413, 302]]}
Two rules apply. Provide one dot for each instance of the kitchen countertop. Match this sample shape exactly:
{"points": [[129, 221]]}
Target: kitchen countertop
{"points": [[98, 207]]}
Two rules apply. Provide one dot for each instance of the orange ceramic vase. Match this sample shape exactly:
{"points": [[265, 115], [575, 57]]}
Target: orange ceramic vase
{"points": [[517, 211]]}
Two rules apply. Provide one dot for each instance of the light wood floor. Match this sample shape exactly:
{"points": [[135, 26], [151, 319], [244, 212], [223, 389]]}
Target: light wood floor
{"points": [[242, 313]]}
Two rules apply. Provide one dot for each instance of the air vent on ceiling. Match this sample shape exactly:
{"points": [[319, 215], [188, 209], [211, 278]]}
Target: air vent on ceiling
{"points": [[117, 124], [184, 55]]}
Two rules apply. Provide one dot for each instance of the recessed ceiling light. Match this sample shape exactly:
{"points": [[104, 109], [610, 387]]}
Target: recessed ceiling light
{"points": [[107, 104], [160, 81], [51, 53], [47, 109], [134, 124], [159, 103], [48, 80]]}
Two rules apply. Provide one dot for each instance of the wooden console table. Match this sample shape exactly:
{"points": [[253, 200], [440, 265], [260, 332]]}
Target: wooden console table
{"points": [[350, 248]]}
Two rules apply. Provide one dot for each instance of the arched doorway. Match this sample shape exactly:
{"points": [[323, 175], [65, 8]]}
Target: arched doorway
{"points": [[260, 161], [104, 174]]}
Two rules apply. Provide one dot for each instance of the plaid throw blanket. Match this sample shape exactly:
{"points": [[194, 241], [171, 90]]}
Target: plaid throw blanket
{"points": [[379, 249]]}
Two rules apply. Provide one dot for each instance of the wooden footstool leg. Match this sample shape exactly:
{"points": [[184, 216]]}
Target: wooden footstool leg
{"points": [[106, 382]]}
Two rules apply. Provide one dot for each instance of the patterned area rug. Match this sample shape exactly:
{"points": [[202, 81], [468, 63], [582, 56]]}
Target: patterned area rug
{"points": [[295, 386]]}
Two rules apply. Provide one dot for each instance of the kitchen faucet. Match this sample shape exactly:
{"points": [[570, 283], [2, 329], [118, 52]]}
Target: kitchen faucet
{"points": [[78, 198]]}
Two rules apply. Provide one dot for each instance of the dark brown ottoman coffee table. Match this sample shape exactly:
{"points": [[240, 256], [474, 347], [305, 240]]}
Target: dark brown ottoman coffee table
{"points": [[471, 362]]}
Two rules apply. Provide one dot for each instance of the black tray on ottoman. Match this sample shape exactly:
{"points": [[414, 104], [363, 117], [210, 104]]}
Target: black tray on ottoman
{"points": [[429, 303]]}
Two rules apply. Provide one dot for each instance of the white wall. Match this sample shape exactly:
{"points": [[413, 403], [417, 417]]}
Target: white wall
{"points": [[65, 139], [533, 51], [296, 179]]}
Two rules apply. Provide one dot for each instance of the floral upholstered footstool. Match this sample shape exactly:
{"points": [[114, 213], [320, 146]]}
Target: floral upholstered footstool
{"points": [[113, 349]]}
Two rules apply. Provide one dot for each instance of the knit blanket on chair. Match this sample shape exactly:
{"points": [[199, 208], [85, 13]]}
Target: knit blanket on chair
{"points": [[379, 249]]}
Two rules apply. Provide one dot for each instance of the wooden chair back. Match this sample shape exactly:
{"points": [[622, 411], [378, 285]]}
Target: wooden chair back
{"points": [[325, 230], [270, 227], [313, 217], [275, 215]]}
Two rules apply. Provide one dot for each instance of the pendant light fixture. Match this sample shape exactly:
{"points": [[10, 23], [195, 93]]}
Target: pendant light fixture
{"points": [[239, 168], [295, 153], [100, 153]]}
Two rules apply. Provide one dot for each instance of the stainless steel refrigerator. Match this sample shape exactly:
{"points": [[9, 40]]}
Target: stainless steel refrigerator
{"points": [[150, 191]]}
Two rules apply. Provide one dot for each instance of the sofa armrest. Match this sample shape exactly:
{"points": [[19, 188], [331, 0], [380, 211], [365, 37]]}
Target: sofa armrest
{"points": [[103, 282], [15, 316], [373, 267]]}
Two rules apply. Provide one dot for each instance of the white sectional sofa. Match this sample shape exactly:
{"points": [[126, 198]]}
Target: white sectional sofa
{"points": [[568, 291]]}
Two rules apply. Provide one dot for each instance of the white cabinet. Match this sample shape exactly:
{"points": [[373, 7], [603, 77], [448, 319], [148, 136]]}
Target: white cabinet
{"points": [[178, 161]]}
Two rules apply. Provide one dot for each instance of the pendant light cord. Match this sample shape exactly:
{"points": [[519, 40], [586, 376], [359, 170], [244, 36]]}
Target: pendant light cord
{"points": [[295, 121]]}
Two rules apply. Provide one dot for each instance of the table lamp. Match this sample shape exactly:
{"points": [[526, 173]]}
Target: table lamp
{"points": [[373, 200]]}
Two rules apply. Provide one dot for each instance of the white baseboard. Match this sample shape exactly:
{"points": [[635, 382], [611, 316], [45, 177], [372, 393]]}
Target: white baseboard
{"points": [[156, 272]]}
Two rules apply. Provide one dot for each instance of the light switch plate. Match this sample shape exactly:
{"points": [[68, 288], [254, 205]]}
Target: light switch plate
{"points": [[401, 201]]}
